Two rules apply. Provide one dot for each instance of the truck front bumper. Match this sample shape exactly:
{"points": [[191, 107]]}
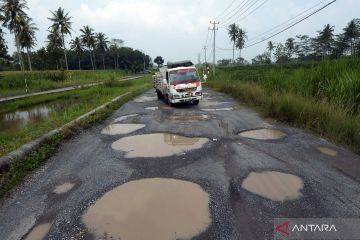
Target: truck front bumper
{"points": [[186, 99]]}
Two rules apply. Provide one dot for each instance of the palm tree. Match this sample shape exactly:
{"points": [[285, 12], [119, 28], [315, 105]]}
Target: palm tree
{"points": [[233, 32], [54, 45], [88, 40], [290, 46], [13, 13], [62, 24], [326, 38], [27, 37], [270, 47], [240, 40], [102, 45], [77, 47], [352, 32]]}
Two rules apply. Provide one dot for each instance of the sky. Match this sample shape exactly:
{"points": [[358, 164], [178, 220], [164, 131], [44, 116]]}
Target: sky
{"points": [[177, 30]]}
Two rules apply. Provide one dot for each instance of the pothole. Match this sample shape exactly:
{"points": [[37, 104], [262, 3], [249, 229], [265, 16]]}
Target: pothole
{"points": [[39, 232], [263, 134], [63, 188], [143, 99], [122, 118], [150, 209], [157, 145], [115, 129], [275, 186], [152, 108], [207, 103], [216, 109], [187, 118], [328, 151]]}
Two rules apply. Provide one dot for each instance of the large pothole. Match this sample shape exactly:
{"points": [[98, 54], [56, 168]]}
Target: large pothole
{"points": [[182, 119], [116, 129], [275, 186], [263, 134], [39, 232], [328, 151], [122, 118], [150, 209], [157, 145]]}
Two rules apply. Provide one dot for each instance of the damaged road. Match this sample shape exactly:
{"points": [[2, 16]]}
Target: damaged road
{"points": [[212, 171]]}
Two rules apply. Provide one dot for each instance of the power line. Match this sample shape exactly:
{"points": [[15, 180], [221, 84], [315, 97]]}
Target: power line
{"points": [[233, 10], [285, 23], [232, 3], [240, 12], [292, 25], [253, 11]]}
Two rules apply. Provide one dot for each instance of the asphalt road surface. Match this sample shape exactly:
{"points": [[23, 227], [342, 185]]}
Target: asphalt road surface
{"points": [[182, 173]]}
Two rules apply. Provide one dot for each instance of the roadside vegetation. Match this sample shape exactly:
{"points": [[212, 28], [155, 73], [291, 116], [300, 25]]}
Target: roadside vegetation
{"points": [[16, 82], [67, 106], [323, 97]]}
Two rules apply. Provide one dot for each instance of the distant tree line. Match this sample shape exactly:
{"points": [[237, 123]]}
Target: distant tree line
{"points": [[90, 50]]}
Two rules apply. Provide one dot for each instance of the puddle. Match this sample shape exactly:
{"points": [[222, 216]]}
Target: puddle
{"points": [[187, 118], [145, 99], [152, 108], [157, 145], [63, 188], [150, 209], [328, 151], [122, 118], [207, 103], [217, 109], [275, 186], [263, 134], [39, 232], [115, 129]]}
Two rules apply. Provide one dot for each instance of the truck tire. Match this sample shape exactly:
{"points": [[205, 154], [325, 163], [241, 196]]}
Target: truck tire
{"points": [[159, 94], [196, 102]]}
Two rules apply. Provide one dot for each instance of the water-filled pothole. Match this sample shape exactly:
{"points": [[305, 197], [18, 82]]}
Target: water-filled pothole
{"points": [[152, 108], [217, 109], [275, 186], [39, 232], [263, 134], [143, 99], [122, 118], [63, 188], [157, 145], [150, 209], [328, 151], [187, 118], [115, 129]]}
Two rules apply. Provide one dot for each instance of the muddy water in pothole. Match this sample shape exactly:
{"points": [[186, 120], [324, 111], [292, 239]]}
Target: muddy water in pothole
{"points": [[143, 99], [157, 145], [152, 108], [39, 232], [63, 188], [263, 134], [217, 109], [115, 129], [123, 118], [150, 209], [275, 186], [328, 151], [187, 118]]}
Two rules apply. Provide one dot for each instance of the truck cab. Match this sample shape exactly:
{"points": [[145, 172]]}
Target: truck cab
{"points": [[178, 82]]}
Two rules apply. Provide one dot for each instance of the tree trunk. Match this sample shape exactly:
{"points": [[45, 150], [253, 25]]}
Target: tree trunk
{"points": [[79, 63], [233, 53], [103, 59], [91, 59], [66, 62], [94, 59], [29, 59], [17, 42]]}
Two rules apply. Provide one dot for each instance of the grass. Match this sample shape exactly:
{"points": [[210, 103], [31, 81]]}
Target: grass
{"points": [[13, 83], [321, 97], [72, 104], [22, 167]]}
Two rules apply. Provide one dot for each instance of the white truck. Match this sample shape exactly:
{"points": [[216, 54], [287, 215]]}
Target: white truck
{"points": [[178, 82]]}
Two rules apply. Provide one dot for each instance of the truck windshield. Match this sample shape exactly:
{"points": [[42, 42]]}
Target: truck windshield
{"points": [[183, 76]]}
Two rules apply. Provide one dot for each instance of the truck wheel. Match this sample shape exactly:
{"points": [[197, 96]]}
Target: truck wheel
{"points": [[196, 102], [159, 94]]}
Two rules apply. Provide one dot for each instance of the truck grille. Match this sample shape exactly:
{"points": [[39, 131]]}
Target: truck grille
{"points": [[187, 90]]}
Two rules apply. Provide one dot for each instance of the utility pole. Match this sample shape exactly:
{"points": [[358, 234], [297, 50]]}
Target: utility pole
{"points": [[205, 48], [214, 28]]}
